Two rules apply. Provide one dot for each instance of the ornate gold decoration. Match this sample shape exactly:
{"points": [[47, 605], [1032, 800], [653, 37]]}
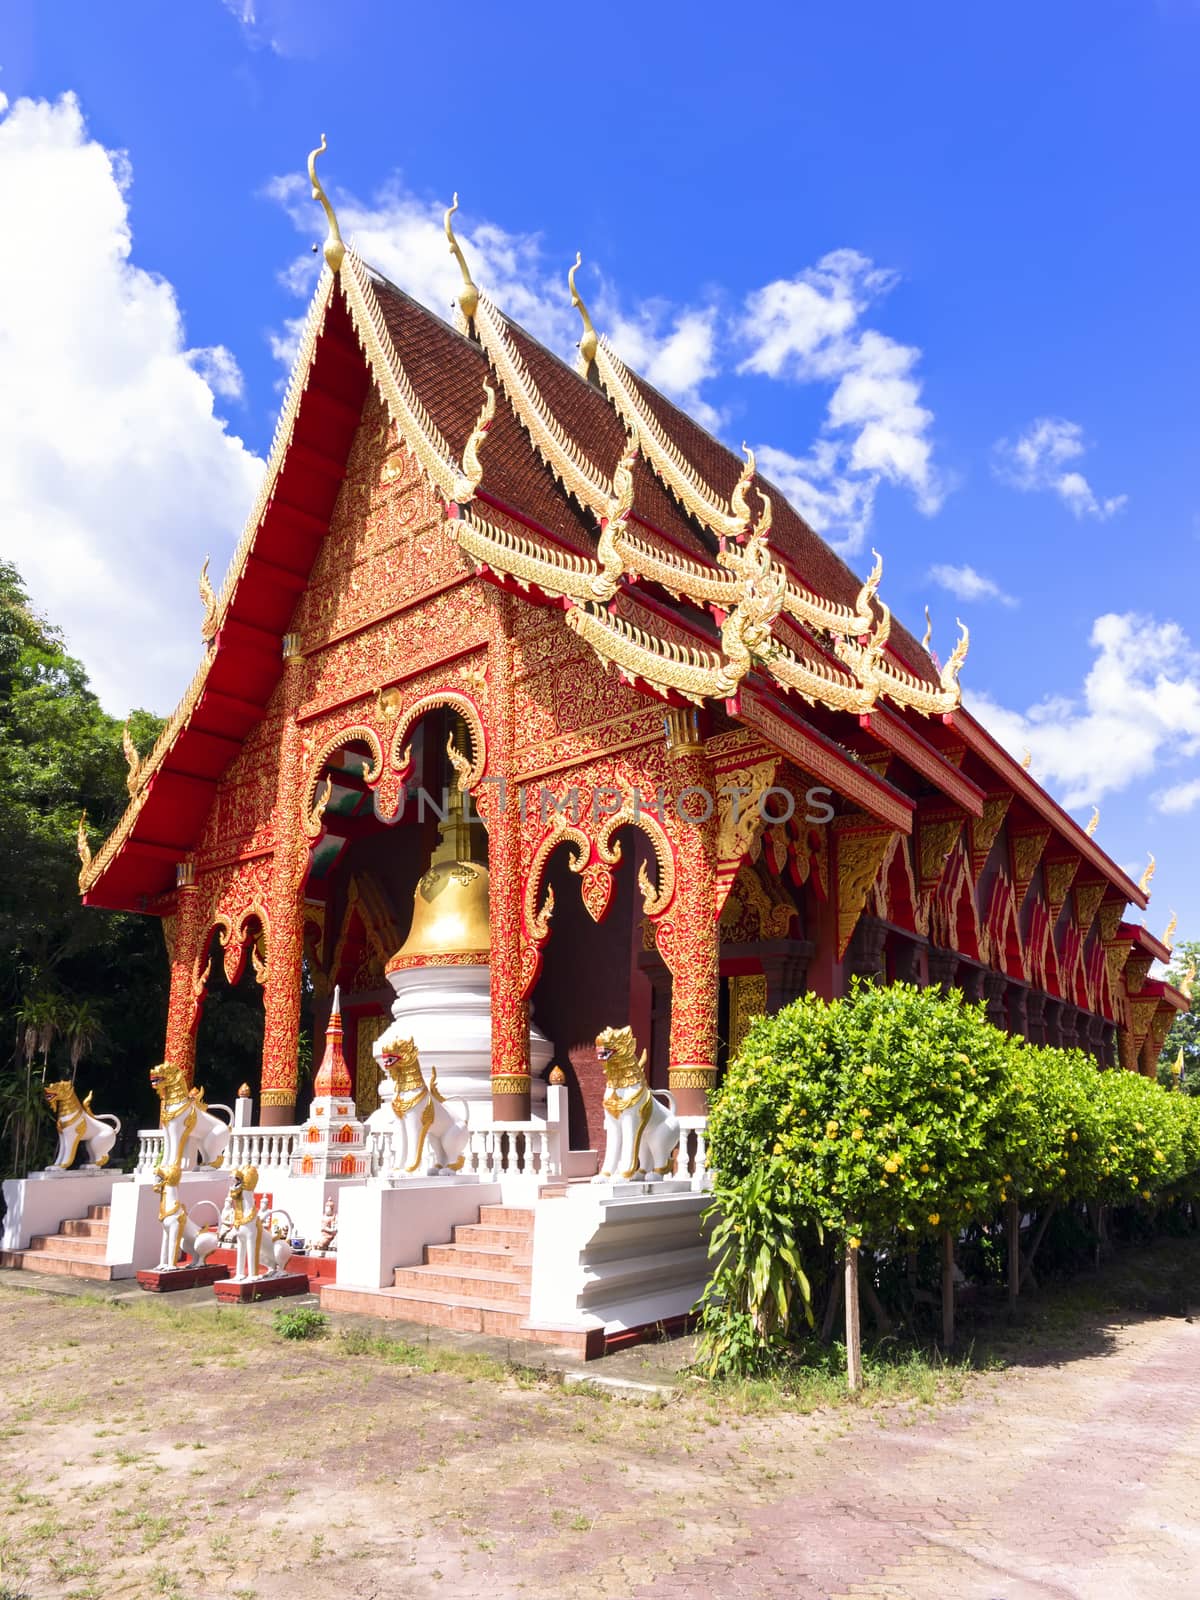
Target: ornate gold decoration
{"points": [[1093, 822], [578, 474], [208, 627], [983, 830], [747, 1000], [400, 756], [665, 666], [1110, 919], [859, 849], [510, 1083], [556, 1076], [468, 295], [472, 473], [874, 670], [1144, 880], [1189, 977], [334, 249], [655, 897], [588, 340], [1087, 901], [560, 574], [562, 831], [1026, 853], [313, 809], [928, 634], [132, 760], [1168, 937], [1059, 877], [83, 848], [1027, 759], [692, 1077]]}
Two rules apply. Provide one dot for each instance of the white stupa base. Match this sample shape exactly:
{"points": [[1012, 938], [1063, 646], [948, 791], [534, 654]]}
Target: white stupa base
{"points": [[447, 1012]]}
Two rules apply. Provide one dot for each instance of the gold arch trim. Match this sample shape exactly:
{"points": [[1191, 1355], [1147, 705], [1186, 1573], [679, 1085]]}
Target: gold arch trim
{"points": [[312, 806], [453, 700]]}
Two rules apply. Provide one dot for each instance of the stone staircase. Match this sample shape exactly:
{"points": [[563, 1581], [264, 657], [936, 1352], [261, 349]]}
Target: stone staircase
{"points": [[480, 1283], [77, 1250]]}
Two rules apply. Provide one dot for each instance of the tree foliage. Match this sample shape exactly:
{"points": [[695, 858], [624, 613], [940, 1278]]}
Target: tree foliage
{"points": [[79, 988]]}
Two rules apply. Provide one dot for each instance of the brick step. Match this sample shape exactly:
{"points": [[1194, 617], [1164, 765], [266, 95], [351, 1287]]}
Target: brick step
{"points": [[484, 1257], [56, 1266], [506, 1216], [469, 1283], [68, 1249], [84, 1228], [519, 1240], [99, 1213], [448, 1311]]}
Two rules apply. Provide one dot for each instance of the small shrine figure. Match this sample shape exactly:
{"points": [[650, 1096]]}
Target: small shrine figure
{"points": [[325, 1244]]}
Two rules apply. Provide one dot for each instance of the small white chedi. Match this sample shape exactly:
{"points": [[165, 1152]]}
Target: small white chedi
{"points": [[78, 1124]]}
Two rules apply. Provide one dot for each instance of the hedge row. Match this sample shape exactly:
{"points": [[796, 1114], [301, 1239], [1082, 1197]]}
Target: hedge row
{"points": [[898, 1113]]}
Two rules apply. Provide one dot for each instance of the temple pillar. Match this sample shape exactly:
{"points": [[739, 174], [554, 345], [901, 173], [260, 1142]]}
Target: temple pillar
{"points": [[1053, 1024], [688, 933], [1069, 1027], [1126, 1050], [285, 939], [864, 954], [501, 809], [1148, 1057], [1035, 1011], [941, 967], [1018, 1010], [184, 932], [994, 986], [906, 960], [970, 981]]}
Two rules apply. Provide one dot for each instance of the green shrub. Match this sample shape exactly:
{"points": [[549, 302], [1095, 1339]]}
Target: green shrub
{"points": [[300, 1322]]}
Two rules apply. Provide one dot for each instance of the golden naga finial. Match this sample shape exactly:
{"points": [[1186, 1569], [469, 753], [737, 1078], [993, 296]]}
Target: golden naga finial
{"points": [[590, 342], [1177, 1066], [1093, 822], [1189, 977], [738, 503], [1168, 937], [208, 627], [1027, 758], [468, 295], [468, 481], [1144, 880], [928, 634], [335, 250], [871, 587], [81, 843], [132, 760], [958, 656]]}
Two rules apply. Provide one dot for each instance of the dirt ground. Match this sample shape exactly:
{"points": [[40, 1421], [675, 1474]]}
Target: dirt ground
{"points": [[147, 1450]]}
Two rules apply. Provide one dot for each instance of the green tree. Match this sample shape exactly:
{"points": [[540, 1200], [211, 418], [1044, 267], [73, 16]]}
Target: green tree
{"points": [[1185, 1030], [79, 988]]}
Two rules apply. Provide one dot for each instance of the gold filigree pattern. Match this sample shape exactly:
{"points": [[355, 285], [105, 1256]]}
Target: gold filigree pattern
{"points": [[859, 850], [356, 733], [453, 700]]}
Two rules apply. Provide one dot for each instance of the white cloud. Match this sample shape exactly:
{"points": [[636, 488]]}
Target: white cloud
{"points": [[219, 369], [964, 583], [808, 330], [1138, 711], [116, 476], [1037, 460]]}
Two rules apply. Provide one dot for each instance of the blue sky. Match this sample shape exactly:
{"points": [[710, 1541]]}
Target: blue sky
{"points": [[938, 263]]}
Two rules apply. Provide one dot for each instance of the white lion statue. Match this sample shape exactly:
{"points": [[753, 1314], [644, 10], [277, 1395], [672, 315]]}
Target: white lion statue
{"points": [[420, 1113], [192, 1135], [180, 1232], [640, 1133], [79, 1124]]}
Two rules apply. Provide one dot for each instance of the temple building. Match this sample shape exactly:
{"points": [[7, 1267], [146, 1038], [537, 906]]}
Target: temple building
{"points": [[524, 691]]}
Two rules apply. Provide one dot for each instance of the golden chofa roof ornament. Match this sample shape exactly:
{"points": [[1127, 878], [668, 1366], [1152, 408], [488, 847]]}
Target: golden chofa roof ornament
{"points": [[1093, 822], [335, 250], [589, 343], [1144, 880], [468, 295], [1168, 937]]}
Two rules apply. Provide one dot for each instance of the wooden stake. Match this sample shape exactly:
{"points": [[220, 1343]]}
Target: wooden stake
{"points": [[833, 1304], [1012, 1217], [947, 1290], [853, 1331]]}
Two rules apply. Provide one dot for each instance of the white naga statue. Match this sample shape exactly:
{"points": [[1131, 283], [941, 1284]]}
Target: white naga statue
{"points": [[192, 1135], [79, 1124], [419, 1112], [640, 1133], [180, 1232]]}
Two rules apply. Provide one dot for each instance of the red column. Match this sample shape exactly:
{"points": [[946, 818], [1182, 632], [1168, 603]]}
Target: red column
{"points": [[285, 940], [501, 807], [184, 932]]}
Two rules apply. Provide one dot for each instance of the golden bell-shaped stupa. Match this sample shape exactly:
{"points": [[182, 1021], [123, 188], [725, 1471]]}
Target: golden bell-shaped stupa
{"points": [[450, 907]]}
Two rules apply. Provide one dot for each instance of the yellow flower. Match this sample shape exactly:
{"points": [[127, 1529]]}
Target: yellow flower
{"points": [[856, 1133], [934, 1219], [966, 1060], [778, 1150], [1074, 1137], [1145, 1194], [830, 1129], [924, 1166], [854, 1241], [891, 1166], [868, 1072], [1007, 1178]]}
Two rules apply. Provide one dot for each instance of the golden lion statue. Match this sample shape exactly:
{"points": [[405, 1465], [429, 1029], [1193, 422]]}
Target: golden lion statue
{"points": [[420, 1110], [640, 1133]]}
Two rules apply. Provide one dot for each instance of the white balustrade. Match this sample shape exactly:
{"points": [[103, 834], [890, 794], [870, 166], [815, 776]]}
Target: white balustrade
{"points": [[268, 1149], [692, 1160]]}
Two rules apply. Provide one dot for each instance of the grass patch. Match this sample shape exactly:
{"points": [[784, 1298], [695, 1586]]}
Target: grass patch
{"points": [[469, 1364]]}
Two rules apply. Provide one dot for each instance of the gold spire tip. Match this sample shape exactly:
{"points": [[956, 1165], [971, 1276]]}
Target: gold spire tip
{"points": [[1093, 822], [590, 342], [335, 250], [1144, 881], [468, 295], [928, 634]]}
